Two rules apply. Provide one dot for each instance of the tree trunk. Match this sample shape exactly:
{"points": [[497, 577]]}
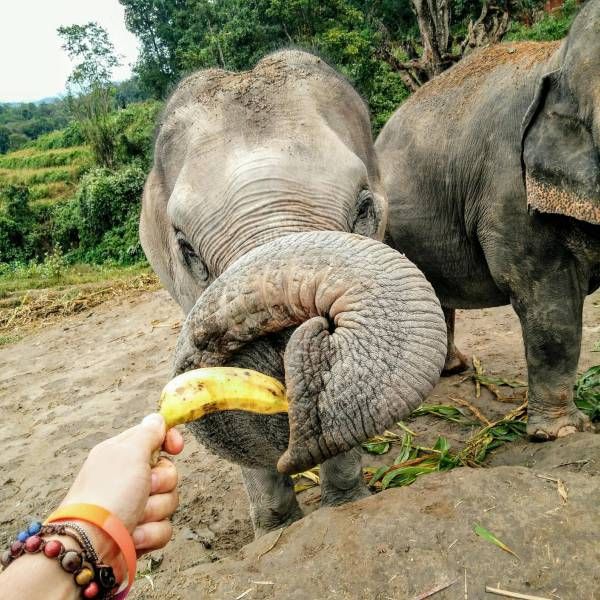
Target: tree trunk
{"points": [[489, 28], [433, 17]]}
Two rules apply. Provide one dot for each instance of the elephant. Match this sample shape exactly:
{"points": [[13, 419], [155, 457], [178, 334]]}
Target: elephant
{"points": [[492, 172], [263, 216]]}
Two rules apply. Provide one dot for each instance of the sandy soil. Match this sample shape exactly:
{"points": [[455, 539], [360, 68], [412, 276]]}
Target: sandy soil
{"points": [[71, 385]]}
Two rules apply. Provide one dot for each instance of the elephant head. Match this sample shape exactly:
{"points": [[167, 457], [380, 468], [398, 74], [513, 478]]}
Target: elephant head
{"points": [[561, 130], [257, 217]]}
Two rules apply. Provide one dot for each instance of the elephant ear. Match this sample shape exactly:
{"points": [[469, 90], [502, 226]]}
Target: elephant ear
{"points": [[161, 246], [561, 165]]}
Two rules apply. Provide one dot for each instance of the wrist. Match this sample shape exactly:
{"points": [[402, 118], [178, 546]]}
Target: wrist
{"points": [[106, 548]]}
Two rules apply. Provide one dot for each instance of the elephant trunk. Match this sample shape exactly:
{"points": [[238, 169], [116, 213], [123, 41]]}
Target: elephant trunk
{"points": [[369, 346]]}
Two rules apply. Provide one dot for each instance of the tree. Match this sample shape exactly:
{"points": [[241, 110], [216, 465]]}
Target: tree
{"points": [[90, 89], [4, 140]]}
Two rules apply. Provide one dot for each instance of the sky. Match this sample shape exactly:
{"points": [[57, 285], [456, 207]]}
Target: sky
{"points": [[32, 63]]}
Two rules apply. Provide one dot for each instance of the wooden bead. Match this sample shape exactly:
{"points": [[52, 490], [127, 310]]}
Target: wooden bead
{"points": [[91, 591], [33, 544], [6, 558], [84, 576], [71, 561], [16, 549], [53, 548]]}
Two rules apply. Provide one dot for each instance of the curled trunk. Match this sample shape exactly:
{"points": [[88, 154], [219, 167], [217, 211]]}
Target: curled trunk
{"points": [[369, 346]]}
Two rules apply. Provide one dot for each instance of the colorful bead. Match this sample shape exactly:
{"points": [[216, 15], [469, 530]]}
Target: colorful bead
{"points": [[33, 544], [91, 591], [16, 549], [6, 558], [71, 561], [84, 576], [53, 548], [34, 528], [23, 535], [106, 577]]}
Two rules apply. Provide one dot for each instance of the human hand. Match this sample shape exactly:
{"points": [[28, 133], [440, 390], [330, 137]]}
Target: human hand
{"points": [[117, 475]]}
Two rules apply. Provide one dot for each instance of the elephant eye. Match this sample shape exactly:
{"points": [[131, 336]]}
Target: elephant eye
{"points": [[365, 220], [191, 258]]}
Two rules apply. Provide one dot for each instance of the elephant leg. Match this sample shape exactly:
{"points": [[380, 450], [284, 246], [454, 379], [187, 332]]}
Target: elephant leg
{"points": [[551, 314], [456, 361], [273, 502], [342, 479]]}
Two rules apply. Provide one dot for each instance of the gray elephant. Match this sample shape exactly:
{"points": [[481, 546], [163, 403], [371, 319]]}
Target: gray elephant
{"points": [[493, 177], [258, 216]]}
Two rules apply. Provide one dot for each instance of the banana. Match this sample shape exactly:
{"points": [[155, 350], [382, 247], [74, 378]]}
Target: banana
{"points": [[195, 394]]}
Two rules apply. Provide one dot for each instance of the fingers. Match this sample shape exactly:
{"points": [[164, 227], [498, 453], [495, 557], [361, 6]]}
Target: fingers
{"points": [[152, 536], [163, 477], [173, 442], [160, 506]]}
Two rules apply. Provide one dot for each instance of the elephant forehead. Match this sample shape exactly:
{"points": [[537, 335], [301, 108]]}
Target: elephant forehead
{"points": [[230, 206]]}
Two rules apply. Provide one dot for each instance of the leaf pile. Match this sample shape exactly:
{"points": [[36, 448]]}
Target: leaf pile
{"points": [[414, 461]]}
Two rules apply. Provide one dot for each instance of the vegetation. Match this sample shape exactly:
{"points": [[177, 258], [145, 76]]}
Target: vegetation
{"points": [[72, 170]]}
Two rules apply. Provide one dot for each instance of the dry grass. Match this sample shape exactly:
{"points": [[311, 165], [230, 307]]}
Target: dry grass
{"points": [[39, 308]]}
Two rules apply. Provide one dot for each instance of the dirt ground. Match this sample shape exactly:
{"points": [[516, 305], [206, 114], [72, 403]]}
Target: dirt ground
{"points": [[65, 388]]}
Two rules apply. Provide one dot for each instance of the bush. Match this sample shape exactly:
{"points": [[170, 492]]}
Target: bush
{"points": [[65, 138], [136, 125], [550, 27], [108, 205]]}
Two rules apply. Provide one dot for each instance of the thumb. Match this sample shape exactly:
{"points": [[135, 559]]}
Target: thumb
{"points": [[149, 435]]}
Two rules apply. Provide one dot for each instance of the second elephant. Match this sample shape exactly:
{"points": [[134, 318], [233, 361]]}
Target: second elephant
{"points": [[493, 176]]}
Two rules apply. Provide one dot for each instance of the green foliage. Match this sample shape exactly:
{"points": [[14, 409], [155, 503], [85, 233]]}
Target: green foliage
{"points": [[91, 92], [28, 159], [109, 206], [22, 122], [550, 27], [178, 37], [64, 138], [587, 393], [135, 126]]}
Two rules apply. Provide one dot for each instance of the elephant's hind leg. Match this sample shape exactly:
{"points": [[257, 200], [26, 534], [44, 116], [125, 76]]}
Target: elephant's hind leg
{"points": [[456, 361], [272, 498], [342, 479]]}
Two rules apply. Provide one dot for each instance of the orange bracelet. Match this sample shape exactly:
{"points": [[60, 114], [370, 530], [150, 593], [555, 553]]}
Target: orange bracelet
{"points": [[111, 525]]}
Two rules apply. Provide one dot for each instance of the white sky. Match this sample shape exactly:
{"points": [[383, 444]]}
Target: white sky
{"points": [[32, 63]]}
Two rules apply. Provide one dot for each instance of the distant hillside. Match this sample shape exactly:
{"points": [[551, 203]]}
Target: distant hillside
{"points": [[50, 174], [52, 195]]}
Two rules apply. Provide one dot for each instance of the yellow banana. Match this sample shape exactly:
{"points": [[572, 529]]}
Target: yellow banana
{"points": [[197, 393]]}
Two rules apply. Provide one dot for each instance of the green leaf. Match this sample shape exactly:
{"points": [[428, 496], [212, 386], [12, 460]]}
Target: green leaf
{"points": [[587, 393], [405, 450], [443, 411], [482, 532], [379, 473], [377, 447], [400, 476]]}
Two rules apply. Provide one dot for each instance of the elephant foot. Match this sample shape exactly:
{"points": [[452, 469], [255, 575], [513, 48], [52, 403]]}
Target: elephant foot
{"points": [[276, 522], [544, 428], [342, 479], [456, 362], [337, 497]]}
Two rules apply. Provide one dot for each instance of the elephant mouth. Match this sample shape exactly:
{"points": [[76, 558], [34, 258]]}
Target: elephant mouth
{"points": [[362, 335]]}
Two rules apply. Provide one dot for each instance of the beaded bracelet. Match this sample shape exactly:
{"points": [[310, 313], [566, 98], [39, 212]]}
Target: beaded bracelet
{"points": [[96, 580]]}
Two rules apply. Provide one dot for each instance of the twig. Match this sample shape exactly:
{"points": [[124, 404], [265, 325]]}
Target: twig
{"points": [[480, 416], [244, 594], [271, 546], [585, 461], [499, 592], [435, 590], [466, 593]]}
